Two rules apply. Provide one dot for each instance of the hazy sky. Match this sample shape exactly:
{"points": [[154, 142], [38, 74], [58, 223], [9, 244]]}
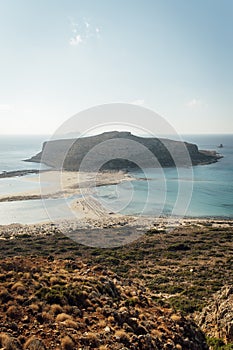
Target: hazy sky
{"points": [[58, 57]]}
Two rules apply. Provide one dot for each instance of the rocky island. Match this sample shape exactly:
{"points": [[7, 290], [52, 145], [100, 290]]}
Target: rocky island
{"points": [[121, 151]]}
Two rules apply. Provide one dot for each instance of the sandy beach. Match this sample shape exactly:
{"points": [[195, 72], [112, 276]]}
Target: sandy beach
{"points": [[86, 211], [55, 184], [89, 211]]}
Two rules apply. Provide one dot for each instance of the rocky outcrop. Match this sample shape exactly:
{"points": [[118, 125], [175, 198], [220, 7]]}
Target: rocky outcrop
{"points": [[216, 319], [121, 150]]}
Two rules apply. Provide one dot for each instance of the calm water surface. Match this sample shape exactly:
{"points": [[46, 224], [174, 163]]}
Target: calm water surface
{"points": [[212, 194]]}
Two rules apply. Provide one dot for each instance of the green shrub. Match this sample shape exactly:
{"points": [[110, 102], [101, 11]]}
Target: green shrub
{"points": [[218, 344]]}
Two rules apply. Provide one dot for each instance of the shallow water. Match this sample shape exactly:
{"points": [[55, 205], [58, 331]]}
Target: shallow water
{"points": [[36, 211], [166, 192], [14, 185], [211, 195]]}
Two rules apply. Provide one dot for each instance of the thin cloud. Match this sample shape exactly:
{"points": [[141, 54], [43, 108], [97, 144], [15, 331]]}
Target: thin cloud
{"points": [[76, 40], [82, 31], [195, 102]]}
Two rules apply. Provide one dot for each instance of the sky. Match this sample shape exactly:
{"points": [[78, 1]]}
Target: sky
{"points": [[58, 58]]}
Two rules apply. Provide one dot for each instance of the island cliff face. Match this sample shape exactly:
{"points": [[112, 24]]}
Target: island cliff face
{"points": [[121, 151]]}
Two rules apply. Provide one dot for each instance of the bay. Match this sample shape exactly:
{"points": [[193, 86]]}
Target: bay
{"points": [[211, 194]]}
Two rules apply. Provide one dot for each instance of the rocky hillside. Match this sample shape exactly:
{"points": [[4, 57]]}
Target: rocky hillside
{"points": [[58, 295], [69, 305], [148, 152], [216, 319]]}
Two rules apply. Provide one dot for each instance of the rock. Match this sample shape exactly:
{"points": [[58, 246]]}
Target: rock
{"points": [[216, 319], [34, 344]]}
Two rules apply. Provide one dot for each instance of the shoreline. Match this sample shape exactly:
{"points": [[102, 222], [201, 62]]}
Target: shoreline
{"points": [[62, 184], [92, 224], [109, 233], [90, 213], [112, 222]]}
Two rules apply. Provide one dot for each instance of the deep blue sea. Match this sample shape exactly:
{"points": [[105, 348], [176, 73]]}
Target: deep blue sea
{"points": [[14, 149], [203, 191]]}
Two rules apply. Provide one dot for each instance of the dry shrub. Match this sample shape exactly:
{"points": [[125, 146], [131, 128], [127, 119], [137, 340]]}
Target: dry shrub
{"points": [[70, 324], [63, 317], [156, 333], [4, 295], [19, 299], [54, 280], [46, 316], [13, 312], [16, 285], [34, 308], [122, 335], [128, 292], [67, 343], [4, 338], [176, 318], [27, 275], [98, 309], [111, 319], [34, 344], [56, 309], [102, 323], [9, 343], [92, 339], [135, 299], [178, 347], [142, 317], [123, 309]]}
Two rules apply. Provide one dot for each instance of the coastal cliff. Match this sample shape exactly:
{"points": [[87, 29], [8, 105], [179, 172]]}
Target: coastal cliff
{"points": [[121, 149]]}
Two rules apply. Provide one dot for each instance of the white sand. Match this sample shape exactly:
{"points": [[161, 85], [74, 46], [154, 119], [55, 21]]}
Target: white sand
{"points": [[55, 184]]}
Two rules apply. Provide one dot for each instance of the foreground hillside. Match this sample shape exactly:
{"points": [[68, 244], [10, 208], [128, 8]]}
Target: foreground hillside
{"points": [[70, 305], [68, 296]]}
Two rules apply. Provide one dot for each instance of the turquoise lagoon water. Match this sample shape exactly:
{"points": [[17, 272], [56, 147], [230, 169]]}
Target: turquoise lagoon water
{"points": [[207, 192], [13, 150], [209, 188], [34, 211]]}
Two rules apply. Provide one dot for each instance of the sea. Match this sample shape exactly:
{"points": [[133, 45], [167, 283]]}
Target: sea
{"points": [[203, 191]]}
